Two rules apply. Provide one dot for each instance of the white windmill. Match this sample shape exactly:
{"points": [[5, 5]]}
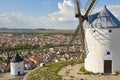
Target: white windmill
{"points": [[99, 39], [17, 65]]}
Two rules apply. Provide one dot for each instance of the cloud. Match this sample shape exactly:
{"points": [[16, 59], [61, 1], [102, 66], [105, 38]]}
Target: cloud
{"points": [[61, 19], [10, 20], [21, 21], [65, 13]]}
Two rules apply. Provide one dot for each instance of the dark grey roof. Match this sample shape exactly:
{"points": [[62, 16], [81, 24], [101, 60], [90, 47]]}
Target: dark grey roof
{"points": [[16, 58], [104, 19]]}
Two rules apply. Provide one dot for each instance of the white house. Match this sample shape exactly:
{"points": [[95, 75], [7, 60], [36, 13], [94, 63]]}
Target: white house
{"points": [[103, 43], [17, 65]]}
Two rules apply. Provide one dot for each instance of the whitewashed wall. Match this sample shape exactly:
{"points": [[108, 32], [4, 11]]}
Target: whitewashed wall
{"points": [[15, 67], [99, 43]]}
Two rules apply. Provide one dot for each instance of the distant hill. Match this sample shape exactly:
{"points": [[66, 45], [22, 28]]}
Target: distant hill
{"points": [[21, 29], [4, 29]]}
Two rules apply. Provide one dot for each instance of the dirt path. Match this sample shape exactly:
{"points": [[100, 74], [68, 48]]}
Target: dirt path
{"points": [[73, 73], [7, 76]]}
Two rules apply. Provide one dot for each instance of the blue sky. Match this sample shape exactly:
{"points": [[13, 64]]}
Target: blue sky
{"points": [[40, 7], [29, 7], [36, 13]]}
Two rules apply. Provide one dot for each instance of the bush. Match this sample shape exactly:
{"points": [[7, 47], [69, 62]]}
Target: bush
{"points": [[116, 73], [82, 69]]}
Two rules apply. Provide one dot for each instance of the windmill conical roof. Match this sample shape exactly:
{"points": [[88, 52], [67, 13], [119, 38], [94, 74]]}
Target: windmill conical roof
{"points": [[104, 19], [16, 58]]}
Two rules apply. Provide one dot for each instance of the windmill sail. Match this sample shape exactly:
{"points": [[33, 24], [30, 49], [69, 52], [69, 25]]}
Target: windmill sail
{"points": [[77, 15], [77, 9], [89, 7], [80, 28]]}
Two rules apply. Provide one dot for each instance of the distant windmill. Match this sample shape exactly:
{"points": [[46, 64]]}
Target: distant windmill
{"points": [[82, 18]]}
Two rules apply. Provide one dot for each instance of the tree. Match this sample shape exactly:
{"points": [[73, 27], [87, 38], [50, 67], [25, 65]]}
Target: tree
{"points": [[9, 53]]}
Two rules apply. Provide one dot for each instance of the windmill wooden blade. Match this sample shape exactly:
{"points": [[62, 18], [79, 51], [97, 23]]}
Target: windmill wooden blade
{"points": [[77, 14], [78, 29], [75, 34], [77, 9], [89, 7]]}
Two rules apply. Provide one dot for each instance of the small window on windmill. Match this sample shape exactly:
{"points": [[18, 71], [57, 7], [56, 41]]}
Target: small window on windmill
{"points": [[110, 31], [108, 53], [94, 31]]}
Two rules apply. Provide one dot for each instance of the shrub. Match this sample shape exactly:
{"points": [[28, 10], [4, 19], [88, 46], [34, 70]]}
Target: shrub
{"points": [[116, 73], [82, 69]]}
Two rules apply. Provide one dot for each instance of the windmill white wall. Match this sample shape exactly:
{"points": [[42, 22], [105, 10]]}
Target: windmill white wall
{"points": [[17, 65], [17, 68], [103, 43], [99, 42]]}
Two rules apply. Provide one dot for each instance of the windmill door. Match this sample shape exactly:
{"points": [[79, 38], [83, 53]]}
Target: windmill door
{"points": [[18, 72], [107, 66]]}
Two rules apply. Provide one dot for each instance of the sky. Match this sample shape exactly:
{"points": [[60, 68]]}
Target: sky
{"points": [[49, 14]]}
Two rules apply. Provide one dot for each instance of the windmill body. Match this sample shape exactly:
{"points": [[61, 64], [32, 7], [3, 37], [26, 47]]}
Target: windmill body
{"points": [[17, 65], [102, 43], [99, 38]]}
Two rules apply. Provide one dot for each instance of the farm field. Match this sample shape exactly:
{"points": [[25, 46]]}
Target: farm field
{"points": [[49, 31]]}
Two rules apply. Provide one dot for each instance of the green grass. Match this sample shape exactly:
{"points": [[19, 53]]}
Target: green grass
{"points": [[116, 73], [82, 69], [50, 72]]}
